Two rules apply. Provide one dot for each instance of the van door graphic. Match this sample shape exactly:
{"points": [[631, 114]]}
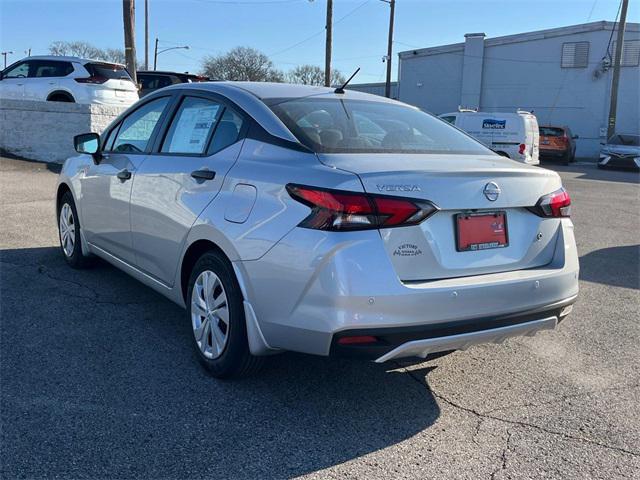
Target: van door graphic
{"points": [[493, 124]]}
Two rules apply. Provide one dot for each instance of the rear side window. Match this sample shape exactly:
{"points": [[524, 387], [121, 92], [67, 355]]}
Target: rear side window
{"points": [[228, 131], [110, 71], [137, 128], [46, 68], [336, 125], [191, 128], [551, 132], [449, 118], [154, 82]]}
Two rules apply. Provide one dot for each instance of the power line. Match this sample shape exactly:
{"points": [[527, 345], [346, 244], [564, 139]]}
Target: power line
{"points": [[320, 32]]}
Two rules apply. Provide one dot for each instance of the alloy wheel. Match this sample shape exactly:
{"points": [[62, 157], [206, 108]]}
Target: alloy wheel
{"points": [[67, 227], [210, 314]]}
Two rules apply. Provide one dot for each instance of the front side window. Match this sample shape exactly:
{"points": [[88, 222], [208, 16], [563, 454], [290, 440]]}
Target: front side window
{"points": [[336, 125], [19, 71], [192, 126], [136, 129], [45, 68]]}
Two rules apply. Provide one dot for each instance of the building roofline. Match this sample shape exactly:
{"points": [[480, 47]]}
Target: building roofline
{"points": [[522, 37]]}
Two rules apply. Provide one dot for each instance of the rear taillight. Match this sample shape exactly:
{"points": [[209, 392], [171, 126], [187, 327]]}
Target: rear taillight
{"points": [[522, 148], [556, 204], [95, 79], [337, 210]]}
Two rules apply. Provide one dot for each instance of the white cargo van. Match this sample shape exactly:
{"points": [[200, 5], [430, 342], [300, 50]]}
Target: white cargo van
{"points": [[514, 135]]}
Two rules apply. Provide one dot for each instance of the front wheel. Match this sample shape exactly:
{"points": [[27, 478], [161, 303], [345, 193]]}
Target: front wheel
{"points": [[69, 232], [216, 315]]}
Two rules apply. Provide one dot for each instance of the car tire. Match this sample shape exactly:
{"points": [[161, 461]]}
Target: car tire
{"points": [[69, 233], [215, 312]]}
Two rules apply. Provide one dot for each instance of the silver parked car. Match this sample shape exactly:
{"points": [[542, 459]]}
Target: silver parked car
{"points": [[288, 217]]}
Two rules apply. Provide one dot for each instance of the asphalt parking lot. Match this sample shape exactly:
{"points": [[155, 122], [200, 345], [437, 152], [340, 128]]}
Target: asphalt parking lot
{"points": [[98, 379]]}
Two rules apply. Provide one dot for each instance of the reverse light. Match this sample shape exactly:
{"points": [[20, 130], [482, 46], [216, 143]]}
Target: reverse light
{"points": [[556, 204], [337, 210]]}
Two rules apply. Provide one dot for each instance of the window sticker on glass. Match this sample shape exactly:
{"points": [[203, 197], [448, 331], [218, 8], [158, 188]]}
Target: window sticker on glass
{"points": [[191, 127]]}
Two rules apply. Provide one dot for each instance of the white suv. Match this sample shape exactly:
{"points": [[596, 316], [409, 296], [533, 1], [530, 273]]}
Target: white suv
{"points": [[68, 79]]}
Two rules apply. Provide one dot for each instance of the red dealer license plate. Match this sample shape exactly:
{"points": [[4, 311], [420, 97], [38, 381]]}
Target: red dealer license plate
{"points": [[481, 231]]}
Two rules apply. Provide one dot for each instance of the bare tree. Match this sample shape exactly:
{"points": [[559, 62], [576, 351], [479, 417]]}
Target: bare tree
{"points": [[86, 50], [241, 64], [313, 75]]}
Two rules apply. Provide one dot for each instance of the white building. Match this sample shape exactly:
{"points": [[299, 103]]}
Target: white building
{"points": [[562, 74]]}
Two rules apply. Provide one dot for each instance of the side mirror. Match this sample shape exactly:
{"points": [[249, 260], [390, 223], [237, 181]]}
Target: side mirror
{"points": [[88, 143]]}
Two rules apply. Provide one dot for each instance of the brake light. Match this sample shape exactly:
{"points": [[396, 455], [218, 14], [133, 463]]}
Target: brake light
{"points": [[556, 204], [95, 79], [337, 210], [522, 148]]}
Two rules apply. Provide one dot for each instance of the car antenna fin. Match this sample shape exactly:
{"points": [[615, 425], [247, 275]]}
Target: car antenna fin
{"points": [[341, 89]]}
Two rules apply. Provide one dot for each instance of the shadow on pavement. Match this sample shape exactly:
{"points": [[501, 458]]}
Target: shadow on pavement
{"points": [[99, 380], [592, 172], [616, 266]]}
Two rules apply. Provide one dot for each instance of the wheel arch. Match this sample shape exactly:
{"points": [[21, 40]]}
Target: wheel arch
{"points": [[62, 189], [61, 93]]}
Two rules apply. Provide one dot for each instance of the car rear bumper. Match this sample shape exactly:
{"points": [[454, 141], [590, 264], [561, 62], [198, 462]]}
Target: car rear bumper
{"points": [[422, 341], [553, 154], [308, 290]]}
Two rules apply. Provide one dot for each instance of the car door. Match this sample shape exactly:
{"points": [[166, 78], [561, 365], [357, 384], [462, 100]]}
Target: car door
{"points": [[44, 78], [181, 177], [106, 186], [13, 80]]}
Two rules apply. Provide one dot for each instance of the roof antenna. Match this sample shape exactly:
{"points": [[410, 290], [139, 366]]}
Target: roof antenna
{"points": [[341, 89]]}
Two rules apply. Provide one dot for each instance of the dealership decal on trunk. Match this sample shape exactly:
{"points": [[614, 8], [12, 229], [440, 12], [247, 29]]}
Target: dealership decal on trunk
{"points": [[407, 250]]}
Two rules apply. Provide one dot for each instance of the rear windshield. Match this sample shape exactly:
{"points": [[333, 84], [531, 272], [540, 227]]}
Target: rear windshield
{"points": [[107, 70], [551, 132], [362, 126], [629, 140]]}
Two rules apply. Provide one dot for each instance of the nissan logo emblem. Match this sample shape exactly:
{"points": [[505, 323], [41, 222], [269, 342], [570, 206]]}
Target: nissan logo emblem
{"points": [[491, 191]]}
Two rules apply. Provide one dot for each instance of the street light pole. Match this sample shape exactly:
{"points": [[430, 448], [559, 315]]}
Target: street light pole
{"points": [[4, 54], [156, 53], [615, 81]]}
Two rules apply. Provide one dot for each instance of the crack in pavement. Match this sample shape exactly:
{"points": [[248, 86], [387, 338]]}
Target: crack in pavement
{"points": [[516, 423], [503, 457], [94, 295]]}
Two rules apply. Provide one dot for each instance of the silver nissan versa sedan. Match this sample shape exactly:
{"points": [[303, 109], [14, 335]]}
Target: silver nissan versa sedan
{"points": [[330, 222]]}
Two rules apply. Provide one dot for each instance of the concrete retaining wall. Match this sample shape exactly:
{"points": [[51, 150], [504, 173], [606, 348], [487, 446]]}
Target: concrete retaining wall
{"points": [[44, 130]]}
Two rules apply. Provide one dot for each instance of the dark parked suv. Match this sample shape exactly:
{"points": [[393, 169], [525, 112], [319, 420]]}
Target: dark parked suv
{"points": [[153, 80]]}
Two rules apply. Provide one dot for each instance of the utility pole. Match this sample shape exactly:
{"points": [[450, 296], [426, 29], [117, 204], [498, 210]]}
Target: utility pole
{"points": [[155, 55], [387, 87], [146, 34], [129, 18], [613, 107], [4, 54], [327, 51]]}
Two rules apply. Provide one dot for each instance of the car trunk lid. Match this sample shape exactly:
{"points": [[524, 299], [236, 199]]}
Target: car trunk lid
{"points": [[458, 185]]}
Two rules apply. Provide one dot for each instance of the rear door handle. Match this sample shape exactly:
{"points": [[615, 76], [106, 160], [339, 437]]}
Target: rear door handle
{"points": [[124, 175], [203, 174]]}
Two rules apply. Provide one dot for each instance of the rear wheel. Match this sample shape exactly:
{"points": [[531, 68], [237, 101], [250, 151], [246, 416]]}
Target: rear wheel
{"points": [[60, 97], [216, 315], [69, 232]]}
